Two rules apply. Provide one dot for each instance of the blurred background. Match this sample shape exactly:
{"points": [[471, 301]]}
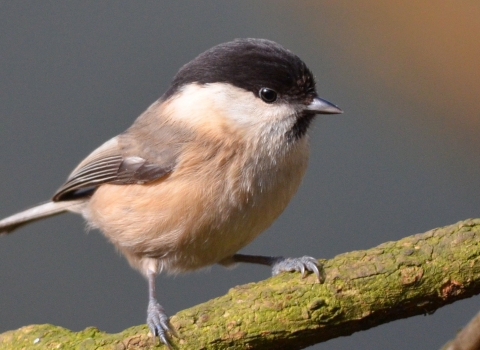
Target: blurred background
{"points": [[402, 159]]}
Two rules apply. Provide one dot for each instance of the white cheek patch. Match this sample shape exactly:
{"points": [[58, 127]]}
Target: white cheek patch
{"points": [[192, 105], [245, 108], [218, 103]]}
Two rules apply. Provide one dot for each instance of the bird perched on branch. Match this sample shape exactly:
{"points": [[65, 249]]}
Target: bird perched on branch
{"points": [[204, 170]]}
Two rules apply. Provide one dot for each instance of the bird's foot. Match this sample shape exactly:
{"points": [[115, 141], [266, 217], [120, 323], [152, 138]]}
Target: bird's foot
{"points": [[303, 264], [158, 322]]}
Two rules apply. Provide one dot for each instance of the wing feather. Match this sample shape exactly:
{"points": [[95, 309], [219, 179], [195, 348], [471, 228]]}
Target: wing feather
{"points": [[108, 164], [128, 158]]}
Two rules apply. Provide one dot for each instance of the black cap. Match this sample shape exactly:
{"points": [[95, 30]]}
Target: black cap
{"points": [[250, 64]]}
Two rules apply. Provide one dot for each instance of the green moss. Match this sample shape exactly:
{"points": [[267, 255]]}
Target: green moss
{"points": [[415, 275]]}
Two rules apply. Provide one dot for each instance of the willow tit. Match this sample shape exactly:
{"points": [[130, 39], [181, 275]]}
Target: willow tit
{"points": [[204, 170]]}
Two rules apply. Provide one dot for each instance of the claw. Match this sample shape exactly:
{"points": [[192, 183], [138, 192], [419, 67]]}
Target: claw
{"points": [[158, 322], [164, 340], [302, 265], [316, 272]]}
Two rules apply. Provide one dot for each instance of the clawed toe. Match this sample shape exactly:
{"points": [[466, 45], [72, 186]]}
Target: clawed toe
{"points": [[158, 322], [303, 264]]}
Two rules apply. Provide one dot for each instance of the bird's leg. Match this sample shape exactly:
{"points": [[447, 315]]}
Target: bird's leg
{"points": [[281, 264], [157, 320]]}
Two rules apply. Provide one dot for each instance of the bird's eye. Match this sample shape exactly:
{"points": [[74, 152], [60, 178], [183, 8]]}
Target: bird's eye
{"points": [[268, 95]]}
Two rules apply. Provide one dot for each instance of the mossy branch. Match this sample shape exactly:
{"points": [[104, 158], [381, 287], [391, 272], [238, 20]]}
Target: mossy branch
{"points": [[363, 289]]}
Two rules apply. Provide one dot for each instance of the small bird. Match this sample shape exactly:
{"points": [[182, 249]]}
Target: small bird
{"points": [[204, 170]]}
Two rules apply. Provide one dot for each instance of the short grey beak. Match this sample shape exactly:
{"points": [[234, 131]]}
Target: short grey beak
{"points": [[321, 106]]}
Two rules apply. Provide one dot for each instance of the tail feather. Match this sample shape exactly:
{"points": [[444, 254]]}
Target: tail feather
{"points": [[38, 212]]}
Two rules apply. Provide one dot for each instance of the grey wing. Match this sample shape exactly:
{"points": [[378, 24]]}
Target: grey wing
{"points": [[111, 164]]}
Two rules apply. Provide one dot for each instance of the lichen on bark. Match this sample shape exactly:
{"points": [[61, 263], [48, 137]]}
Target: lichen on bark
{"points": [[363, 289]]}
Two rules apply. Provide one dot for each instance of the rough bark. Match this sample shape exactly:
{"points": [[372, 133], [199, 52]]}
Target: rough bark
{"points": [[363, 289]]}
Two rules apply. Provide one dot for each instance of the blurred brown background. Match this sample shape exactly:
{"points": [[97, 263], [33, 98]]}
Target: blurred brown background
{"points": [[403, 158]]}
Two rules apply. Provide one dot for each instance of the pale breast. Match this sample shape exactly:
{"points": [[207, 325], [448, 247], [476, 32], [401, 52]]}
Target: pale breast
{"points": [[203, 212], [234, 175]]}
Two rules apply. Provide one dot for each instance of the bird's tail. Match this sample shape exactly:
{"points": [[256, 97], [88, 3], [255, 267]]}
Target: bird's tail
{"points": [[38, 212]]}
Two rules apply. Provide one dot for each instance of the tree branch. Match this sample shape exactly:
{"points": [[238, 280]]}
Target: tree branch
{"points": [[468, 338], [363, 289]]}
